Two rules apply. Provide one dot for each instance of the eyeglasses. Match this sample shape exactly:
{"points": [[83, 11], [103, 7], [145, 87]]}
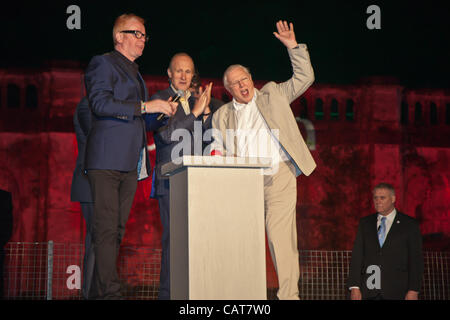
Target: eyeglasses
{"points": [[237, 82], [137, 34]]}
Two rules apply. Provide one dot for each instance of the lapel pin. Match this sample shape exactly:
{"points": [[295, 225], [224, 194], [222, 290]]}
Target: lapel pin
{"points": [[398, 221]]}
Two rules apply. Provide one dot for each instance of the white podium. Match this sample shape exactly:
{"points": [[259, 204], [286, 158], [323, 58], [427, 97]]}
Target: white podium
{"points": [[217, 229]]}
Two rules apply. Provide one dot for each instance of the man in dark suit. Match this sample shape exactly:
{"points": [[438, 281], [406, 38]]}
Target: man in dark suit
{"points": [[81, 190], [387, 259], [189, 111], [116, 150]]}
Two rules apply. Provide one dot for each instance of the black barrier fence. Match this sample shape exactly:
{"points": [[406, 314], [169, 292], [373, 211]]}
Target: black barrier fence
{"points": [[52, 271]]}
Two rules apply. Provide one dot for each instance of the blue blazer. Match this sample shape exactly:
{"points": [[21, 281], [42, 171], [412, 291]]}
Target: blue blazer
{"points": [[162, 132], [81, 190], [117, 137]]}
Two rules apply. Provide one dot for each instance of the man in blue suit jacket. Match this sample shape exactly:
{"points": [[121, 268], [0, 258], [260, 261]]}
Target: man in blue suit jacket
{"points": [[188, 112], [81, 190], [116, 154]]}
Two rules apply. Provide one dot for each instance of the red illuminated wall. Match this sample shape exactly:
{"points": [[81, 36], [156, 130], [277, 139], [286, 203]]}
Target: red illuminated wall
{"points": [[38, 153]]}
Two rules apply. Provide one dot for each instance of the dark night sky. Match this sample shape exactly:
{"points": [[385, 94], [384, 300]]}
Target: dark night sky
{"points": [[412, 45]]}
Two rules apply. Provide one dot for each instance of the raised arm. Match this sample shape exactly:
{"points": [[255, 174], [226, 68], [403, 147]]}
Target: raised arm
{"points": [[303, 74]]}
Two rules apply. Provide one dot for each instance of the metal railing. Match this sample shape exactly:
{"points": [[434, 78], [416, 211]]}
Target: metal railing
{"points": [[47, 270], [39, 271]]}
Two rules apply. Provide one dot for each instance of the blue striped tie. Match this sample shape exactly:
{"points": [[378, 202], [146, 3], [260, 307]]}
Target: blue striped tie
{"points": [[382, 231]]}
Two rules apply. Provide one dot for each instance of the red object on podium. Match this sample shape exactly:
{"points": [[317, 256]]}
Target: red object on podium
{"points": [[216, 153]]}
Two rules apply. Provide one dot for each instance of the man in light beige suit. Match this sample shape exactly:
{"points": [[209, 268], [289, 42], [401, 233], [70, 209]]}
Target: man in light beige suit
{"points": [[266, 113]]}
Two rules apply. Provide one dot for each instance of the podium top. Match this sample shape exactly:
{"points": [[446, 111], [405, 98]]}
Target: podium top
{"points": [[214, 162]]}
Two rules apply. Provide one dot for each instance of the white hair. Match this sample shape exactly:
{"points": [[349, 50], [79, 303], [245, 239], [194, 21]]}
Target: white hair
{"points": [[233, 66]]}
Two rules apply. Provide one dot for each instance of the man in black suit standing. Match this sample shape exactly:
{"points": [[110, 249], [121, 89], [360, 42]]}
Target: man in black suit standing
{"points": [[81, 190], [116, 149], [387, 259], [190, 110]]}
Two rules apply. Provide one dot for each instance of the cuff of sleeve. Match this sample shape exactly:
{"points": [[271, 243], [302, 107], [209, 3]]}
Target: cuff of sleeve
{"points": [[200, 117], [137, 109], [300, 45]]}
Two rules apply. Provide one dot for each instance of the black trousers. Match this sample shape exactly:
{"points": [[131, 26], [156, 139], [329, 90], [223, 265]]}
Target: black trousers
{"points": [[164, 276], [113, 194], [89, 256], [379, 296]]}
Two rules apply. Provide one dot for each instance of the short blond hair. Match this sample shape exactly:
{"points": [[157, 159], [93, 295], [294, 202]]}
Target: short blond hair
{"points": [[122, 20], [384, 185]]}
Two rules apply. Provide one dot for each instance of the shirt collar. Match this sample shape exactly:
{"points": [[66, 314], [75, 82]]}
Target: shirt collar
{"points": [[390, 217], [239, 106], [187, 93]]}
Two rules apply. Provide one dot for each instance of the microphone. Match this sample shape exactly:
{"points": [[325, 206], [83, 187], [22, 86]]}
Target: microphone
{"points": [[175, 98]]}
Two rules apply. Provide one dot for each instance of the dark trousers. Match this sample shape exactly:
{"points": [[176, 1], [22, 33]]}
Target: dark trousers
{"points": [[164, 276], [89, 256], [2, 261], [379, 296], [113, 194]]}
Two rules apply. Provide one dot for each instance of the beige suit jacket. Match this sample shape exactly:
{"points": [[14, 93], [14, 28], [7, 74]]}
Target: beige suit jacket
{"points": [[273, 102]]}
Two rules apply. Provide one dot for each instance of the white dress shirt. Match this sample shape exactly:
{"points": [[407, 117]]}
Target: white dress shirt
{"points": [[389, 220], [184, 100], [254, 137]]}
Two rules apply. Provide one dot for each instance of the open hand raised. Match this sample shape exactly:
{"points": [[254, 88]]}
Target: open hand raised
{"points": [[286, 34]]}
